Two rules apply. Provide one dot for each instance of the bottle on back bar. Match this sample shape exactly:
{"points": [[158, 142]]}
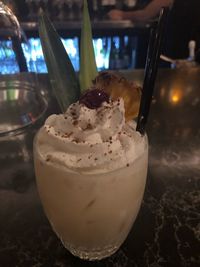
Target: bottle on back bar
{"points": [[130, 3]]}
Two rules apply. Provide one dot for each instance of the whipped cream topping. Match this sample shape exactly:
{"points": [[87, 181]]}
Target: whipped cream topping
{"points": [[90, 140]]}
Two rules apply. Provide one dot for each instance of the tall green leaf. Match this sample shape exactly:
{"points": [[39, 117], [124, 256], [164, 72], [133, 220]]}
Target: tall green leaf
{"points": [[88, 68], [62, 75]]}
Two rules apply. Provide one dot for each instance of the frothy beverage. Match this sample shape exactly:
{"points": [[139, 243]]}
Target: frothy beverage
{"points": [[91, 170]]}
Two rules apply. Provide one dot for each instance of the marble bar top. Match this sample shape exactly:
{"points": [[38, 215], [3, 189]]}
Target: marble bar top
{"points": [[167, 230]]}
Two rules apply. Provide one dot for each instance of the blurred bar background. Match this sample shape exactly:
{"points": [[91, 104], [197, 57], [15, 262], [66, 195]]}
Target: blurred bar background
{"points": [[116, 43]]}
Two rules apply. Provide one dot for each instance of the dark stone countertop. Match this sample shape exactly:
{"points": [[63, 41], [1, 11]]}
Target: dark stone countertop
{"points": [[167, 230]]}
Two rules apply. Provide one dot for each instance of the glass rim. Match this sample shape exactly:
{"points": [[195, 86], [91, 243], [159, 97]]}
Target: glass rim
{"points": [[77, 171]]}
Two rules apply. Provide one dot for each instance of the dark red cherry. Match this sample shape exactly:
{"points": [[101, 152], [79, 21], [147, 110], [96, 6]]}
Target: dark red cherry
{"points": [[94, 98]]}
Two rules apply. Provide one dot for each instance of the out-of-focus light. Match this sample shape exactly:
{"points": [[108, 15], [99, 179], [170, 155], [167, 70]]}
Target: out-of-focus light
{"points": [[176, 95], [175, 98]]}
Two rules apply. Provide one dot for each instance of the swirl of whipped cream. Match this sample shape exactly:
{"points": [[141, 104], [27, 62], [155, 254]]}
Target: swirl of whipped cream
{"points": [[90, 140]]}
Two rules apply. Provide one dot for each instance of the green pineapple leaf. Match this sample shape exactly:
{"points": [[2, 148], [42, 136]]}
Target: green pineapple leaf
{"points": [[88, 68], [63, 78]]}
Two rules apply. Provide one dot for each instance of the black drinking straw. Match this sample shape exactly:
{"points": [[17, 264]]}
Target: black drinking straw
{"points": [[151, 68]]}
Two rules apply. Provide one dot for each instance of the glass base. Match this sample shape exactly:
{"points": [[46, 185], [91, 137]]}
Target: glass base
{"points": [[94, 254]]}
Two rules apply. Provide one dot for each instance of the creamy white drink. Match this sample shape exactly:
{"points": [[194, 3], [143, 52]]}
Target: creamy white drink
{"points": [[91, 171]]}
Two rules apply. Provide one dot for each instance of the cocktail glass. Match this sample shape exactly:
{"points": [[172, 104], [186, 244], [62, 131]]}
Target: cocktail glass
{"points": [[92, 214]]}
